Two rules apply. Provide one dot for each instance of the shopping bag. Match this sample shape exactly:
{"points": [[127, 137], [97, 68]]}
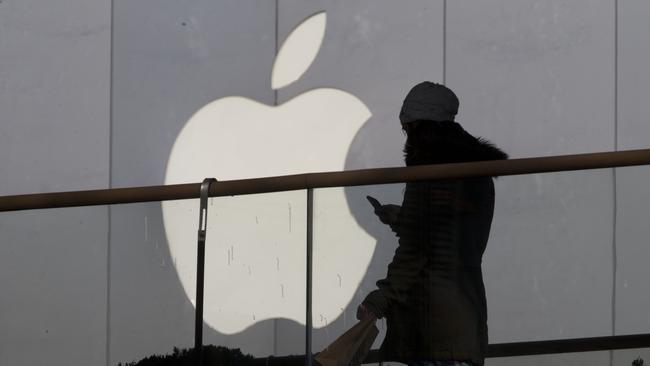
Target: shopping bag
{"points": [[352, 347]]}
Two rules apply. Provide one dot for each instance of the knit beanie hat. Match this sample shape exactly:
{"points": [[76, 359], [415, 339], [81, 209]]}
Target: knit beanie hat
{"points": [[429, 101]]}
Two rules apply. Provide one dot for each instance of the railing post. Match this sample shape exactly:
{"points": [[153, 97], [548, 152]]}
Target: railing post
{"points": [[200, 269], [309, 270]]}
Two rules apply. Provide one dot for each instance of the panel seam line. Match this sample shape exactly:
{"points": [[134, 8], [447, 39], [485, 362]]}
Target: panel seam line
{"points": [[614, 183]]}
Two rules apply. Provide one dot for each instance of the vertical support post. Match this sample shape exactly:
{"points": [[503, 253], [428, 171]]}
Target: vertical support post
{"points": [[200, 269], [309, 270]]}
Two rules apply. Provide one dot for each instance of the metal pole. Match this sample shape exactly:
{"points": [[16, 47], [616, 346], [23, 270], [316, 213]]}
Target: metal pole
{"points": [[309, 270], [200, 269]]}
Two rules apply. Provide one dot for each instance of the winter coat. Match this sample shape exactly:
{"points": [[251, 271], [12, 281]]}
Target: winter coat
{"points": [[433, 295]]}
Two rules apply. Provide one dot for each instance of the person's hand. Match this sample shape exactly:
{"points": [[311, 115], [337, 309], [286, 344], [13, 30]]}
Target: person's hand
{"points": [[387, 213], [363, 313]]}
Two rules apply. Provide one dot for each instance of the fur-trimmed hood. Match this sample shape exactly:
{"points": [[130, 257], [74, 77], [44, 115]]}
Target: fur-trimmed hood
{"points": [[433, 142]]}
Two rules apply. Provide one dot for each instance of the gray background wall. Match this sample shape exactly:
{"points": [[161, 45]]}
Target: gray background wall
{"points": [[54, 136], [93, 94]]}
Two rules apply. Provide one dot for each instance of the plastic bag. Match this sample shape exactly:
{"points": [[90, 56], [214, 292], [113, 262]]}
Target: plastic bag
{"points": [[352, 347]]}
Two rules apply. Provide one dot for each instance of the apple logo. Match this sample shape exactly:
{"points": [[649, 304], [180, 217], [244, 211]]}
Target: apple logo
{"points": [[255, 249]]}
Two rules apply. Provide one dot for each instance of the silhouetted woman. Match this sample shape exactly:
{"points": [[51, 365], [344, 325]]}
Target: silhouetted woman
{"points": [[433, 295]]}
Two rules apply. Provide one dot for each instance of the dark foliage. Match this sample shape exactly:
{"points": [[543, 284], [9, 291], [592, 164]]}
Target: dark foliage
{"points": [[638, 362], [212, 356]]}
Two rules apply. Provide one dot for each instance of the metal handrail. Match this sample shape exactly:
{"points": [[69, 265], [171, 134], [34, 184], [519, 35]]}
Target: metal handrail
{"points": [[554, 346], [328, 179]]}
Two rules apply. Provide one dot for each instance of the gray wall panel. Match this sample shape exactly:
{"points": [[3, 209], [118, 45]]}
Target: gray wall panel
{"points": [[54, 79], [170, 59], [633, 252], [537, 78], [375, 50], [633, 76], [53, 96]]}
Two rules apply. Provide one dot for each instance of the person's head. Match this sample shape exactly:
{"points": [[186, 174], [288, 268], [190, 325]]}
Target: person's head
{"points": [[433, 137], [427, 117], [428, 101]]}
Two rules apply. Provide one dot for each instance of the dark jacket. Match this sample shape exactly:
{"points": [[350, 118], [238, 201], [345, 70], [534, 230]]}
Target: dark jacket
{"points": [[433, 296]]}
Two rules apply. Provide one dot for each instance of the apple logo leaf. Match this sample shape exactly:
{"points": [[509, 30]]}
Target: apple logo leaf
{"points": [[298, 51]]}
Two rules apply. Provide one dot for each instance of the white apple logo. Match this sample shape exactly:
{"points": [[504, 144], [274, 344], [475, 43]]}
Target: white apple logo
{"points": [[255, 250]]}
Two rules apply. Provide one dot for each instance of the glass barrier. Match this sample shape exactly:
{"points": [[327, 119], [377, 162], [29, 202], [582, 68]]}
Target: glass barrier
{"points": [[352, 249], [626, 357], [566, 258], [255, 272], [150, 311], [580, 358], [632, 250], [53, 277], [254, 275], [549, 265]]}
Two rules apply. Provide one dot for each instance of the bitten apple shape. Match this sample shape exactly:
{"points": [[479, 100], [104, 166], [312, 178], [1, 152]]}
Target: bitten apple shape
{"points": [[255, 256], [255, 250]]}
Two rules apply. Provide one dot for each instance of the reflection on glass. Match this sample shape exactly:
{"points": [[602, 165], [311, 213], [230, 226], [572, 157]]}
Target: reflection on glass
{"points": [[254, 268], [548, 269]]}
